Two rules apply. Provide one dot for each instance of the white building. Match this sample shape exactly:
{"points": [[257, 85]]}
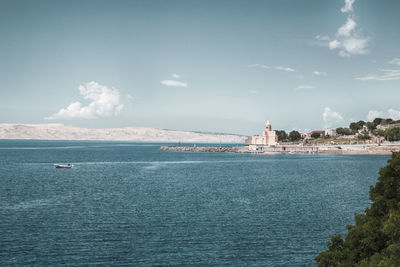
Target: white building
{"points": [[330, 131]]}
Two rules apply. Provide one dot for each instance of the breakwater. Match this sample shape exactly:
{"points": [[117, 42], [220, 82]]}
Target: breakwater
{"points": [[244, 149], [205, 149]]}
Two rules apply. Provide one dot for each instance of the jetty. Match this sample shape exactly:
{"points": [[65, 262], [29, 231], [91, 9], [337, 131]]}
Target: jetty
{"points": [[204, 149], [244, 149]]}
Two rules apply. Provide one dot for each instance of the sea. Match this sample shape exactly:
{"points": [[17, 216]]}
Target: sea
{"points": [[130, 204]]}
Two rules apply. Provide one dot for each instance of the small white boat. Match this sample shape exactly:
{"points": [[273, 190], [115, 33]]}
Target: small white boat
{"points": [[63, 166]]}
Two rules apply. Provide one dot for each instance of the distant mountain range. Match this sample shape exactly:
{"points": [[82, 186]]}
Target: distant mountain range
{"points": [[140, 134]]}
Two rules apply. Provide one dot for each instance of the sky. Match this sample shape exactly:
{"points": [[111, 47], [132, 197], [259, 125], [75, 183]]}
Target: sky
{"points": [[213, 66]]}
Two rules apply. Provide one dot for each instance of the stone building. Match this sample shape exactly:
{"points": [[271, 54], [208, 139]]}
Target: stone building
{"points": [[268, 137]]}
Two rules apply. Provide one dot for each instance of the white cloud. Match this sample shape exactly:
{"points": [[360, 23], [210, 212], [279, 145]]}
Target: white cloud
{"points": [[355, 46], [334, 44], [348, 6], [395, 61], [347, 28], [105, 102], [253, 92], [282, 68], [175, 76], [391, 113], [349, 46], [174, 83], [259, 66], [373, 114], [394, 114], [348, 40], [322, 37], [319, 73], [343, 53], [387, 75], [304, 87], [331, 118]]}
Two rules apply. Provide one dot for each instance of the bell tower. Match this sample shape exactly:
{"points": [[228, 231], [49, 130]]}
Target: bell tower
{"points": [[268, 127]]}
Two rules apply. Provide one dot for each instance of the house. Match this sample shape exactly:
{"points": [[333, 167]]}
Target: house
{"points": [[331, 132]]}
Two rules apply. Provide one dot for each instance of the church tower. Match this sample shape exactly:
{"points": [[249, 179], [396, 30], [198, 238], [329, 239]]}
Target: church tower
{"points": [[268, 138], [268, 127]]}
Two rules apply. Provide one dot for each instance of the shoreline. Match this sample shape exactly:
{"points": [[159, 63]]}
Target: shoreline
{"points": [[383, 150]]}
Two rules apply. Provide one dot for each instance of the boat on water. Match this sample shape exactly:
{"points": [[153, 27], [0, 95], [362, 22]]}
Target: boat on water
{"points": [[63, 166]]}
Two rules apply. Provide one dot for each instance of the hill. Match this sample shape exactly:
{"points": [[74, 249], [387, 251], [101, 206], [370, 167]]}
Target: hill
{"points": [[141, 134]]}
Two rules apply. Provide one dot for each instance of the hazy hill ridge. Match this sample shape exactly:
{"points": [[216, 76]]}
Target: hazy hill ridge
{"points": [[65, 132]]}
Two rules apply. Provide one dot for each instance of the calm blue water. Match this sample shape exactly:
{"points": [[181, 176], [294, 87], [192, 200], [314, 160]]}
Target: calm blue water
{"points": [[132, 204]]}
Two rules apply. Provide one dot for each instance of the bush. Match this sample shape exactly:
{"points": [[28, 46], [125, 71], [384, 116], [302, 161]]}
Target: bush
{"points": [[315, 135]]}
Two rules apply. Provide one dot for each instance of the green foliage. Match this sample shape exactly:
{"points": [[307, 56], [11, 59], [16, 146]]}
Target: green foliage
{"points": [[355, 126], [389, 121], [282, 135], [371, 126], [377, 121], [392, 134], [315, 135], [379, 132], [343, 131], [374, 240], [364, 136], [294, 136]]}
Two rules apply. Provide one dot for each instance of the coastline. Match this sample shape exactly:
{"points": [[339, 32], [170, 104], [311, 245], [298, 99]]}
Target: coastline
{"points": [[332, 150]]}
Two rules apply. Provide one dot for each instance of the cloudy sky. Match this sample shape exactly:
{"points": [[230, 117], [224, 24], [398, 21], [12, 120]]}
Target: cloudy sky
{"points": [[221, 66]]}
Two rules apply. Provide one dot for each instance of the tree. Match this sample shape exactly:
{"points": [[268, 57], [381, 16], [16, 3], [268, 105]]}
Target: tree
{"points": [[355, 126], [374, 240], [385, 121], [343, 131], [282, 135], [315, 135], [392, 134], [377, 121], [371, 126], [294, 136]]}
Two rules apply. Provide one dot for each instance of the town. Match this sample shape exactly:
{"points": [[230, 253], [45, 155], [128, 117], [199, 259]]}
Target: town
{"points": [[380, 137]]}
